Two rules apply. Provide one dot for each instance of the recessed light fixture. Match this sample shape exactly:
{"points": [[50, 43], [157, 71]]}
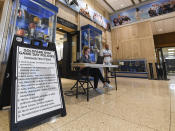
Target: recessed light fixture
{"points": [[171, 49], [121, 5], [170, 52], [60, 28]]}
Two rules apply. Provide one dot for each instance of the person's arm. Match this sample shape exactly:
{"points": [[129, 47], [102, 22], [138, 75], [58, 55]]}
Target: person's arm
{"points": [[85, 60], [108, 55], [89, 59], [82, 59]]}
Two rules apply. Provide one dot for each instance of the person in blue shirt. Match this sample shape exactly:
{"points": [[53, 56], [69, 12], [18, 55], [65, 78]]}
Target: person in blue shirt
{"points": [[94, 72]]}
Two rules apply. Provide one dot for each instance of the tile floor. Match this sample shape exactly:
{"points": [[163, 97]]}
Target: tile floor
{"points": [[138, 105]]}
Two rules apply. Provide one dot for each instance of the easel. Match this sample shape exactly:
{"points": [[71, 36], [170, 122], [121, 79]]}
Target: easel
{"points": [[9, 95]]}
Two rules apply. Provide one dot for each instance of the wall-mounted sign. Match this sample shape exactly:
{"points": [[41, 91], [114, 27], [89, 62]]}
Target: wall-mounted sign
{"points": [[66, 23], [143, 12], [83, 8]]}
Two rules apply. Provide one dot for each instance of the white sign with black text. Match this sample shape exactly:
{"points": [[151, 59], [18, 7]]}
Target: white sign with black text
{"points": [[37, 83]]}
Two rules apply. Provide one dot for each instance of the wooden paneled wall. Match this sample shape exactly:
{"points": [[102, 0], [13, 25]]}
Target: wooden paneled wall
{"points": [[84, 21], [67, 13], [134, 41]]}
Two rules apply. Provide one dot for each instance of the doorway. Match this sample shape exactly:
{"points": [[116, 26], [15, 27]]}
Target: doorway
{"points": [[61, 37], [169, 56], [67, 43]]}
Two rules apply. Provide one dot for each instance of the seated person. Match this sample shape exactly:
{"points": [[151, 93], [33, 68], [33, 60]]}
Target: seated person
{"points": [[94, 72]]}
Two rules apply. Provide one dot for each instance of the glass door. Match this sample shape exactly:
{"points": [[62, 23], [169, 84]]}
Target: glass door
{"points": [[169, 56]]}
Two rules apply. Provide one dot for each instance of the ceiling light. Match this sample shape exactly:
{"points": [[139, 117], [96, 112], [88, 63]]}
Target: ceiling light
{"points": [[171, 49], [121, 5], [171, 52], [60, 28], [171, 56]]}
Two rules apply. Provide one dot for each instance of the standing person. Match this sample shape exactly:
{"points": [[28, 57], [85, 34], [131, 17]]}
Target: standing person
{"points": [[138, 14], [107, 53], [94, 72], [160, 10], [120, 21], [115, 21], [151, 12]]}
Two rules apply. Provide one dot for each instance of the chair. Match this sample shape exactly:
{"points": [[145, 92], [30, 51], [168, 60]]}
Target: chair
{"points": [[81, 81]]}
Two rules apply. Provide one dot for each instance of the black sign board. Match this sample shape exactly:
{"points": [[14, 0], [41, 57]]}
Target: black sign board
{"points": [[36, 91], [66, 23]]}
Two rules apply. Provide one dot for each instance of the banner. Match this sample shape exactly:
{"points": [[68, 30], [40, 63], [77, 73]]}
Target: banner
{"points": [[143, 12], [81, 7]]}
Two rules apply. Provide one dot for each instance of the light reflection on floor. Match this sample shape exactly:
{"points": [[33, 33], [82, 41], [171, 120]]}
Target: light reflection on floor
{"points": [[138, 105]]}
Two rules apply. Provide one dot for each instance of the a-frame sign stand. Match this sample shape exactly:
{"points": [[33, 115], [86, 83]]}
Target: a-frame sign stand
{"points": [[33, 78]]}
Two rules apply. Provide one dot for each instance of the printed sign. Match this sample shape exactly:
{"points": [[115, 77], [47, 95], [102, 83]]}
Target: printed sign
{"points": [[36, 90], [66, 23], [37, 84]]}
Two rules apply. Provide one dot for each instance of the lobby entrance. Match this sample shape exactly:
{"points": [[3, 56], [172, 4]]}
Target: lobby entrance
{"points": [[67, 44]]}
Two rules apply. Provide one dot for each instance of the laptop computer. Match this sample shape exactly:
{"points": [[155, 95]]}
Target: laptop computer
{"points": [[100, 60]]}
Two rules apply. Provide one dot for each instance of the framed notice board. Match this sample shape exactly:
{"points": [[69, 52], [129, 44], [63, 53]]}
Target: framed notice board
{"points": [[36, 91]]}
